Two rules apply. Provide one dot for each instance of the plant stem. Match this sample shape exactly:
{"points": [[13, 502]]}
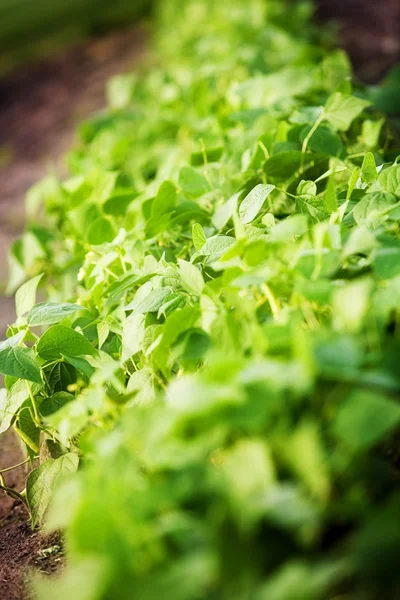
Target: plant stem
{"points": [[308, 138]]}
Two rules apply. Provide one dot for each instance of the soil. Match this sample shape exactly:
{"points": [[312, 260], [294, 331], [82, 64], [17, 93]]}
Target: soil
{"points": [[369, 31], [21, 548]]}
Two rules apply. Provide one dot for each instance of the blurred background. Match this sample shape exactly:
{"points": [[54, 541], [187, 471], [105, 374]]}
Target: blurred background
{"points": [[55, 58]]}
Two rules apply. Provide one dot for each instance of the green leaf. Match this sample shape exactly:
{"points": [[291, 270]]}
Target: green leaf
{"points": [[215, 247], [103, 331], [372, 206], [25, 296], [43, 481], [386, 262], [306, 188], [283, 165], [101, 231], [364, 418], [166, 199], [150, 303], [80, 365], [225, 211], [17, 362], [341, 110], [198, 237], [369, 174], [192, 182], [252, 203], [48, 313], [54, 403], [60, 340], [192, 279], [389, 179]]}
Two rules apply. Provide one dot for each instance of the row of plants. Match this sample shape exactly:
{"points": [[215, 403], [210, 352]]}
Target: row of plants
{"points": [[210, 381]]}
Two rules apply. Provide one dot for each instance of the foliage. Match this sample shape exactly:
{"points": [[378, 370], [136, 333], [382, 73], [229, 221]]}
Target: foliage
{"points": [[220, 334]]}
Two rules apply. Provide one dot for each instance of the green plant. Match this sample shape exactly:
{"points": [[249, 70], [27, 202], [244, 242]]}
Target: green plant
{"points": [[228, 243]]}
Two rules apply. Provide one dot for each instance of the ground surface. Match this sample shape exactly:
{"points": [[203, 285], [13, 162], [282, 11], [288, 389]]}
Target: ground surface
{"points": [[21, 549]]}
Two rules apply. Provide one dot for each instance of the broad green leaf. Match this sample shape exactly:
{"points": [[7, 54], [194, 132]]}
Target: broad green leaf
{"points": [[389, 179], [386, 262], [43, 481], [193, 182], [364, 418], [198, 237], [288, 229], [341, 110], [253, 202], [150, 303], [370, 132], [166, 199], [60, 340], [101, 231], [372, 206], [192, 279], [54, 403], [11, 401], [283, 165], [48, 313], [25, 296], [80, 364], [16, 361], [225, 211]]}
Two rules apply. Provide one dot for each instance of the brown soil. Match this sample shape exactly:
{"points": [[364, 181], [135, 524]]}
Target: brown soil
{"points": [[21, 548], [369, 31]]}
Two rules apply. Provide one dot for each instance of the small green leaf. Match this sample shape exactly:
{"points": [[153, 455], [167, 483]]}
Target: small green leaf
{"points": [[48, 313], [60, 340], [150, 303], [166, 199], [103, 331], [16, 362], [306, 188], [390, 179], [283, 165], [192, 279], [369, 174], [225, 211], [101, 231], [25, 296], [54, 403], [364, 418], [371, 207], [198, 237], [192, 182], [252, 203], [341, 110], [42, 482]]}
